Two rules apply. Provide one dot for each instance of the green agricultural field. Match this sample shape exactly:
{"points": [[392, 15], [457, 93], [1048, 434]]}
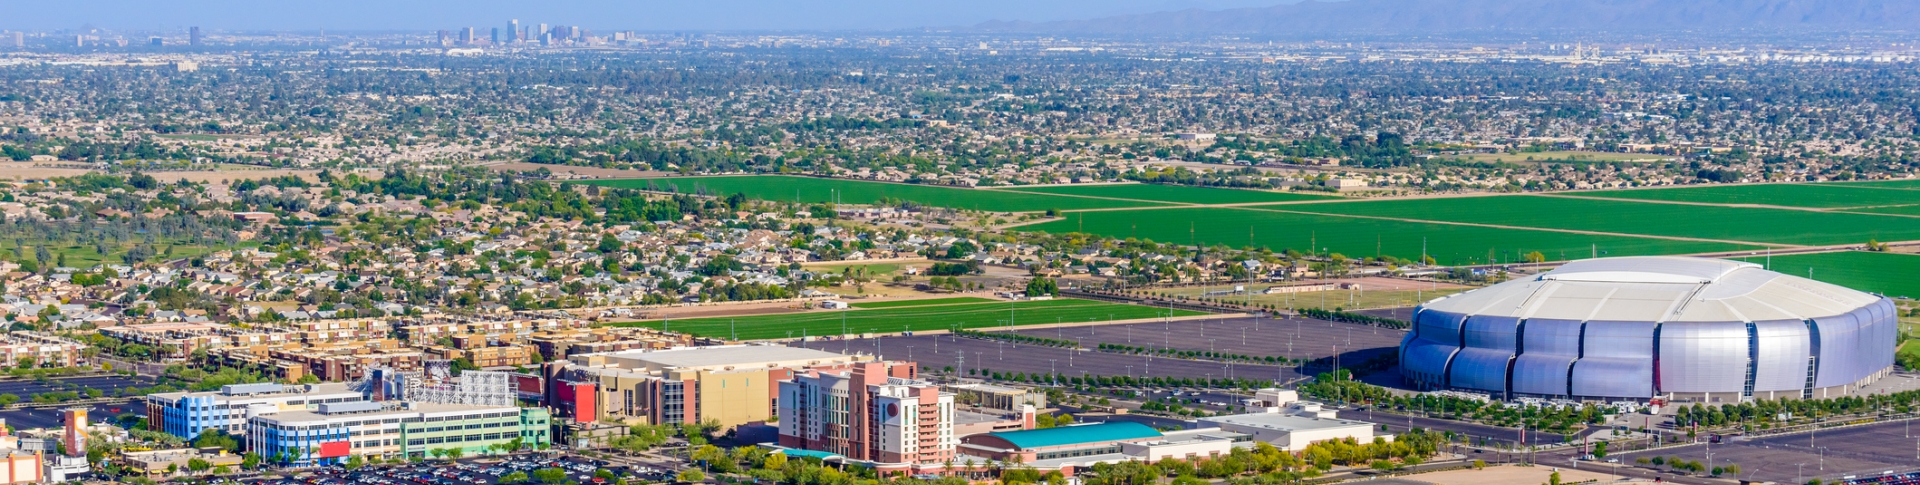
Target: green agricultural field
{"points": [[938, 317], [1173, 193], [927, 302], [815, 190], [1357, 237], [1819, 196], [1781, 226], [1884, 273], [1904, 184], [1905, 210]]}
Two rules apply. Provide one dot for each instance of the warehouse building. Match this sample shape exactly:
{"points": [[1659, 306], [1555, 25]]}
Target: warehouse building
{"points": [[1676, 328], [1291, 432]]}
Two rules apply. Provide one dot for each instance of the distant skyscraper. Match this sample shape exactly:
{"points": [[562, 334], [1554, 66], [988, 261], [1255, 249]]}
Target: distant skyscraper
{"points": [[193, 36], [513, 30], [466, 36], [156, 42], [445, 37], [542, 33], [19, 39], [495, 39]]}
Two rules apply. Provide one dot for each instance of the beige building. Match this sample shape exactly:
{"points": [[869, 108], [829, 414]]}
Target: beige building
{"points": [[160, 463], [731, 385]]}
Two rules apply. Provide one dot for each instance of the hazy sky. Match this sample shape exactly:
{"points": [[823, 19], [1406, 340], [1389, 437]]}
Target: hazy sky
{"points": [[593, 14]]}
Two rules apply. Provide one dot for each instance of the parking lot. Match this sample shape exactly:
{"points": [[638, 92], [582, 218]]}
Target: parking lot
{"points": [[1795, 458], [1301, 337], [486, 471], [109, 385], [49, 417]]}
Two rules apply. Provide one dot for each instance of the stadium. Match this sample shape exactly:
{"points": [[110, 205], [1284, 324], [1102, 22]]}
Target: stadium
{"points": [[1641, 328]]}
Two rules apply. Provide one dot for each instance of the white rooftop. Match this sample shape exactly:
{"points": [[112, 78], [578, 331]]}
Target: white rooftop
{"points": [[1284, 422], [1658, 289]]}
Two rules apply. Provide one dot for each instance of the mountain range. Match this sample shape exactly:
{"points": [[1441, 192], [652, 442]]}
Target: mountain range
{"points": [[1404, 16]]}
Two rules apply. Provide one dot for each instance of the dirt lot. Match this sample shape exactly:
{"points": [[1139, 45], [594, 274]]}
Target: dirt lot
{"points": [[1508, 475]]}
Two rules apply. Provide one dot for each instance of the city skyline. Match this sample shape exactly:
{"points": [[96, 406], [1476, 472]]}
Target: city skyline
{"points": [[811, 15]]}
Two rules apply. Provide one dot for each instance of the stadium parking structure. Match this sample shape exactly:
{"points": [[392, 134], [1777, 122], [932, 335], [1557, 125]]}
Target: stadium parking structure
{"points": [[907, 319], [784, 188]]}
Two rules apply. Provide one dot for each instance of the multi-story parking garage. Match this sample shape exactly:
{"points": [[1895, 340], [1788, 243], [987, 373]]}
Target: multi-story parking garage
{"points": [[1653, 327]]}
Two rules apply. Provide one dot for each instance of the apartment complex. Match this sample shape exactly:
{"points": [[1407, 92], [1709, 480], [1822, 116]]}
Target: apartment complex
{"points": [[332, 432], [870, 411], [731, 384], [186, 414]]}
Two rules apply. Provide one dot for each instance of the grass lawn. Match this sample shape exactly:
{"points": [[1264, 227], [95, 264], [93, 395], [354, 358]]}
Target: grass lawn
{"points": [[1173, 193], [1571, 156], [1884, 273], [85, 255], [940, 317], [875, 269], [927, 302], [1357, 238], [1757, 225], [1819, 196], [816, 190]]}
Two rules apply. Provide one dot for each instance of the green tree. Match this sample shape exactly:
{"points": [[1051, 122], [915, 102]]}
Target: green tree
{"points": [[691, 475], [515, 477], [550, 476]]}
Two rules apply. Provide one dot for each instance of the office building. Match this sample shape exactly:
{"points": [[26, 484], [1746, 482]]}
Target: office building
{"points": [[731, 385], [193, 36], [495, 39], [75, 432], [332, 432], [466, 36], [513, 30], [186, 414], [155, 42], [869, 412]]}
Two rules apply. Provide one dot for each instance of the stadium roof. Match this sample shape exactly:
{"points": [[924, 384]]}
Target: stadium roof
{"points": [[1658, 289], [1073, 435]]}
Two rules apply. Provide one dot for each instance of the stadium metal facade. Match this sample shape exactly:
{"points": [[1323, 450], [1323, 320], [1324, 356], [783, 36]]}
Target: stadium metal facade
{"points": [[1653, 327]]}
